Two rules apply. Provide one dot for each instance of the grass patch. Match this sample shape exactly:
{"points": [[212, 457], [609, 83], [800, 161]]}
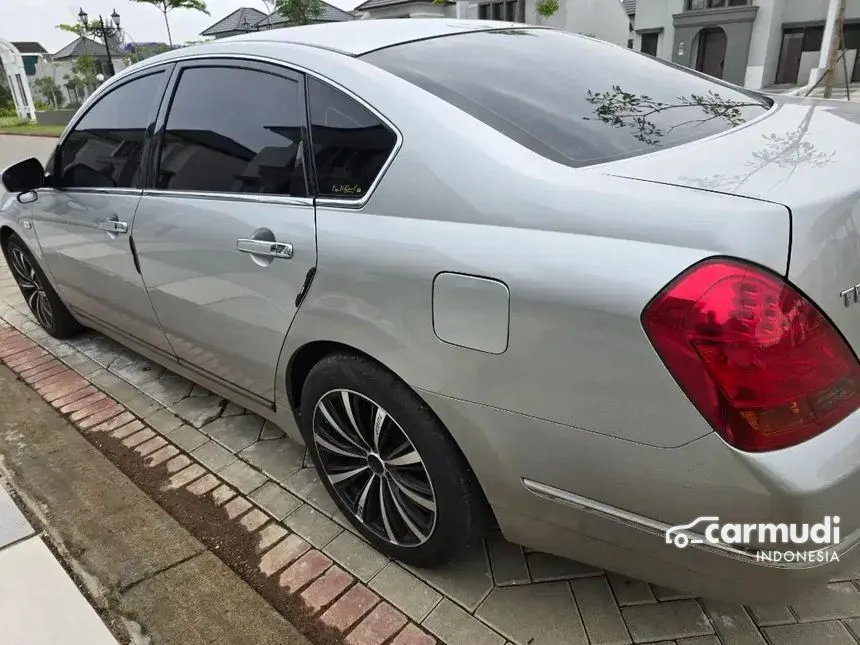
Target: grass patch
{"points": [[15, 125]]}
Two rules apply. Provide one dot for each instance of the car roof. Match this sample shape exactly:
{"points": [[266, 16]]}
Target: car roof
{"points": [[357, 37]]}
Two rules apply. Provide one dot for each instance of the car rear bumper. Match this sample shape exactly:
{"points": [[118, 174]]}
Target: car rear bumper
{"points": [[608, 502]]}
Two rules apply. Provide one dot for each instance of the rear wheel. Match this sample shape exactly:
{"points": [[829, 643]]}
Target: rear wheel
{"points": [[388, 462], [43, 301]]}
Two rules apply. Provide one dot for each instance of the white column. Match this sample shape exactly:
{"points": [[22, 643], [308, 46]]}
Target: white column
{"points": [[827, 42]]}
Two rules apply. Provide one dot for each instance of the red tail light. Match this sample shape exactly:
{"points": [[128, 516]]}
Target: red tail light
{"points": [[760, 362]]}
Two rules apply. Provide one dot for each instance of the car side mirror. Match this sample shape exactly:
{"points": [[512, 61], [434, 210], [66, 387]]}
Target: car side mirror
{"points": [[24, 176]]}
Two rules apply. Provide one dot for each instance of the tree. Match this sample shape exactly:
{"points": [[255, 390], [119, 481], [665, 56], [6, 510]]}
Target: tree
{"points": [[546, 8], [6, 100], [166, 6], [85, 69], [48, 88], [90, 30], [299, 12]]}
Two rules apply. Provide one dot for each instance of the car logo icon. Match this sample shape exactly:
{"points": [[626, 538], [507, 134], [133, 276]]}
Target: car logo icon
{"points": [[677, 534]]}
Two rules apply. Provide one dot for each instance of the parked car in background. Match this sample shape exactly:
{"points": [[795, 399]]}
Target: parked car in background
{"points": [[490, 274]]}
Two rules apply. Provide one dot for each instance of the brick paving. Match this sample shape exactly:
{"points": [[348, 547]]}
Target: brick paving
{"points": [[504, 595]]}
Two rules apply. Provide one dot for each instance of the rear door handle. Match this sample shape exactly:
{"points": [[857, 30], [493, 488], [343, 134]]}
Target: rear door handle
{"points": [[266, 249], [113, 226]]}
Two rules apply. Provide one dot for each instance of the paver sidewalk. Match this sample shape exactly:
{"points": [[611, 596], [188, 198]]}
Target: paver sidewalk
{"points": [[39, 602]]}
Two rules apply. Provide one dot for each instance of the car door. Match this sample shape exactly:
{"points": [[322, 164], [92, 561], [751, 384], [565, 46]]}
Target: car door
{"points": [[84, 215], [225, 231]]}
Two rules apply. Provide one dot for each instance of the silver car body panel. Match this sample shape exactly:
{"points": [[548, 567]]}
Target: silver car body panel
{"points": [[577, 403]]}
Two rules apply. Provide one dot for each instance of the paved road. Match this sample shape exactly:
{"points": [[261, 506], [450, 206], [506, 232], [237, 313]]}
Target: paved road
{"points": [[502, 594]]}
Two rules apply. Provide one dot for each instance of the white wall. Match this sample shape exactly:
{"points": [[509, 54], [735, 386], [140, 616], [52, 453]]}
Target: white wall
{"points": [[604, 19], [652, 14]]}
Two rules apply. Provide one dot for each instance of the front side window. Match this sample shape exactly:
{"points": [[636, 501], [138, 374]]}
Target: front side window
{"points": [[350, 144], [104, 149], [233, 130], [574, 100]]}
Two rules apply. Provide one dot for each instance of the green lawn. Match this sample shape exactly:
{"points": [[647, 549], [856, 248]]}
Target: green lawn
{"points": [[14, 125]]}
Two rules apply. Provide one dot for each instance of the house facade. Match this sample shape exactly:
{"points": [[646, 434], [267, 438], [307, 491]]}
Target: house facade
{"points": [[604, 19], [754, 43]]}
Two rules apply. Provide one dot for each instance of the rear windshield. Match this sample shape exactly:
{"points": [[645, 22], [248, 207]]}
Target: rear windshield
{"points": [[575, 100]]}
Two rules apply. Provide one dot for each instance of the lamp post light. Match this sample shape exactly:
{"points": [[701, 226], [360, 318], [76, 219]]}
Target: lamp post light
{"points": [[107, 32]]}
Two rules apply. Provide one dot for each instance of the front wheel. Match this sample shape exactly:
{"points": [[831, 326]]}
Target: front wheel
{"points": [[45, 304], [389, 464]]}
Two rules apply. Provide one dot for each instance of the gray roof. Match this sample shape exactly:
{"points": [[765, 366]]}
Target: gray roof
{"points": [[236, 21], [29, 47], [375, 4], [85, 47], [629, 7], [329, 13]]}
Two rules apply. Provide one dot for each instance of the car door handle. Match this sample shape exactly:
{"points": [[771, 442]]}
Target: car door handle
{"points": [[113, 226], [264, 248]]}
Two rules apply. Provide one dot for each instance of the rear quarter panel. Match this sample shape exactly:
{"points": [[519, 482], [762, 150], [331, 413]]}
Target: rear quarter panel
{"points": [[581, 252]]}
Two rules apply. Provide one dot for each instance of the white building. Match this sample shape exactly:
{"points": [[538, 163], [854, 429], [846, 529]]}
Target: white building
{"points": [[755, 43], [604, 19]]}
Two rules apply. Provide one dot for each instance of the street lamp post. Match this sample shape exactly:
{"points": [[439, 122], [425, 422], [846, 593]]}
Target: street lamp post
{"points": [[107, 32]]}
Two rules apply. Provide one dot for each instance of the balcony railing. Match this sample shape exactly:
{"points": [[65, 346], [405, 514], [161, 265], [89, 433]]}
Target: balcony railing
{"points": [[698, 5]]}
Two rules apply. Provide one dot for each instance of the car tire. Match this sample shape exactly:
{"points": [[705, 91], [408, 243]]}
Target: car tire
{"points": [[40, 296], [412, 494]]}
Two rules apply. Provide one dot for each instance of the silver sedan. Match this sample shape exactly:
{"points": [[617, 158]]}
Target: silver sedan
{"points": [[489, 274]]}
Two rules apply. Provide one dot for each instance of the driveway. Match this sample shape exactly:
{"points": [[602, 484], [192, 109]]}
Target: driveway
{"points": [[181, 443]]}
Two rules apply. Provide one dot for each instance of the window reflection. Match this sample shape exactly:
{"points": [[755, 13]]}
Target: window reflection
{"points": [[233, 130], [104, 149], [350, 144]]}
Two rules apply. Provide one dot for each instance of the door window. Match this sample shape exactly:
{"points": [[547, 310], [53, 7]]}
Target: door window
{"points": [[350, 144], [105, 147], [233, 130]]}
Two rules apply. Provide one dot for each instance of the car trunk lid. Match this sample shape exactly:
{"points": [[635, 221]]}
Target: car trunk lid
{"points": [[805, 155]]}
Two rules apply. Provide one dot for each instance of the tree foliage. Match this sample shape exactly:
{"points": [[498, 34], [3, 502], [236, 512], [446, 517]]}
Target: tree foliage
{"points": [[299, 12], [546, 8], [166, 6], [621, 109], [90, 30], [50, 90]]}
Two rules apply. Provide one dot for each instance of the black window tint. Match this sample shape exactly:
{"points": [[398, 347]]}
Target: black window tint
{"points": [[589, 102], [104, 148], [233, 130], [350, 144], [649, 44]]}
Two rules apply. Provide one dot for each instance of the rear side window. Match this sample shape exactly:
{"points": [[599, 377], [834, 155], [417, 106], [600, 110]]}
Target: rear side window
{"points": [[575, 100], [350, 144]]}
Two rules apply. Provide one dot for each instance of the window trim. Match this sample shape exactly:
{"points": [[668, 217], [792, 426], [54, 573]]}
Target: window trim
{"points": [[92, 101], [319, 201], [151, 167]]}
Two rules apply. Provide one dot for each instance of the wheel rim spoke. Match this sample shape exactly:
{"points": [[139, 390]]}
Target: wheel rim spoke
{"points": [[338, 450], [348, 474], [374, 468], [404, 515], [411, 458], [378, 422], [362, 498], [383, 510], [336, 427], [419, 499]]}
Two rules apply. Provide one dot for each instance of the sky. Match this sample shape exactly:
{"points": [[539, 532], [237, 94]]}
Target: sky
{"points": [[37, 20]]}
